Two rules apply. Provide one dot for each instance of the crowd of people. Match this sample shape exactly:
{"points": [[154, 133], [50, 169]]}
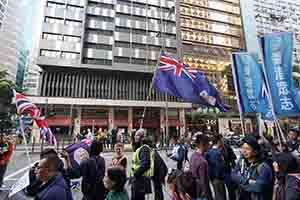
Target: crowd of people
{"points": [[265, 170]]}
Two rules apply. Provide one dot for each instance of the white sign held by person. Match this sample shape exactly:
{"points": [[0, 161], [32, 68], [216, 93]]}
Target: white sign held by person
{"points": [[21, 184]]}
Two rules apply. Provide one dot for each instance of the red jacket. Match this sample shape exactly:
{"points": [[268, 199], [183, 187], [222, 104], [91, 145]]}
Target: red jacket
{"points": [[5, 157]]}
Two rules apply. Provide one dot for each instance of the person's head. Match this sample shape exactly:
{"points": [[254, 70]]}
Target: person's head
{"points": [[250, 148], [172, 178], [119, 148], [115, 179], [293, 134], [217, 140], [46, 152], [202, 142], [285, 163], [48, 167], [96, 148], [185, 186]]}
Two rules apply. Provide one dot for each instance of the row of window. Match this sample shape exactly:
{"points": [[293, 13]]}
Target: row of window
{"points": [[60, 37], [141, 5], [95, 61], [59, 54], [97, 46], [100, 5], [64, 6], [143, 46], [99, 18], [53, 20], [137, 61], [144, 19], [144, 32]]}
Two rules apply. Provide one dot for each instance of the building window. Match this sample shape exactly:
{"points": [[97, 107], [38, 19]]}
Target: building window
{"points": [[100, 32], [52, 36], [74, 8], [73, 22], [69, 38], [53, 20], [139, 46], [122, 44], [152, 62], [55, 5], [121, 60], [98, 46], [138, 61], [70, 55], [100, 5], [139, 32], [95, 61], [99, 18], [123, 30], [50, 53]]}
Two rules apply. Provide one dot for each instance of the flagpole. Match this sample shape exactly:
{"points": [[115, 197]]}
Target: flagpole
{"points": [[237, 93], [22, 130]]}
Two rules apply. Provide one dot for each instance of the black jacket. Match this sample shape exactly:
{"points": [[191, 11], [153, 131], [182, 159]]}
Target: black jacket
{"points": [[92, 171]]}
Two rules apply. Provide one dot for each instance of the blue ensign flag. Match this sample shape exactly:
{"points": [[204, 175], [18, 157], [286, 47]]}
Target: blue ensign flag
{"points": [[177, 79], [277, 50], [250, 85]]}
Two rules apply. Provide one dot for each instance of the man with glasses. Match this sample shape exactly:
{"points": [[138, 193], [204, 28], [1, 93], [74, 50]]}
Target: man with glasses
{"points": [[53, 185], [252, 174]]}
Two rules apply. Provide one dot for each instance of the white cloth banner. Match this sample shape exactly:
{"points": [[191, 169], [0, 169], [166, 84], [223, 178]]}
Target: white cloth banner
{"points": [[21, 184]]}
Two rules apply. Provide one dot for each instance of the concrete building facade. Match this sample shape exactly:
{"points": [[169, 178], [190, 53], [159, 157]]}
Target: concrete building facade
{"points": [[98, 57]]}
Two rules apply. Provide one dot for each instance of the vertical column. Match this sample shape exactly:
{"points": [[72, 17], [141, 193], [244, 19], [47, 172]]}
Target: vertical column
{"points": [[130, 120], [111, 119], [162, 119], [182, 121], [77, 121]]}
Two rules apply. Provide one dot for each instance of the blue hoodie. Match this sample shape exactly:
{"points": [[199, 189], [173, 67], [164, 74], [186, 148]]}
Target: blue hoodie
{"points": [[55, 189]]}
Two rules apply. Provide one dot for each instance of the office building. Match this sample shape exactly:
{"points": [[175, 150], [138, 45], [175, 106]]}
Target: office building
{"points": [[98, 57]]}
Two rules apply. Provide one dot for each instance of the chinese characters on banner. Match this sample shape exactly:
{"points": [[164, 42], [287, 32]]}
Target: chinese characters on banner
{"points": [[250, 85], [277, 52]]}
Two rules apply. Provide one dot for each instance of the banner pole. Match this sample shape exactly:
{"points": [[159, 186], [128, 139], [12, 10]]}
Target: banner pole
{"points": [[237, 94]]}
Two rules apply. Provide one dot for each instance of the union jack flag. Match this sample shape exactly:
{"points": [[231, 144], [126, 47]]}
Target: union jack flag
{"points": [[168, 63], [24, 105], [45, 131]]}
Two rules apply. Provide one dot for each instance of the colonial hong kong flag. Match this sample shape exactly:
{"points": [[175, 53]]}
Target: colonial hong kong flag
{"points": [[45, 131], [24, 105], [79, 152], [177, 79]]}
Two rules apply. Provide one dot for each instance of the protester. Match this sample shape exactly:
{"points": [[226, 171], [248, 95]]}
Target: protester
{"points": [[287, 184], [294, 142], [114, 132], [171, 181], [114, 182], [92, 171], [178, 153], [252, 174], [142, 168], [216, 167], [6, 151], [119, 159], [199, 167], [160, 173], [53, 184]]}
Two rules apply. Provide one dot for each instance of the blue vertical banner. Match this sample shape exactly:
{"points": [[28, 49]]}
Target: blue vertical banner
{"points": [[277, 51], [250, 84]]}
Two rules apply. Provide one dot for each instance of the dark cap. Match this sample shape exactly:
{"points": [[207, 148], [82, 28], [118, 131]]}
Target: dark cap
{"points": [[295, 130], [252, 142]]}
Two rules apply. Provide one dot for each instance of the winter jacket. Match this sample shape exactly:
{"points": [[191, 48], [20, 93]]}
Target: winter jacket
{"points": [[117, 196], [92, 171], [253, 179], [287, 187], [55, 189], [216, 164], [199, 170]]}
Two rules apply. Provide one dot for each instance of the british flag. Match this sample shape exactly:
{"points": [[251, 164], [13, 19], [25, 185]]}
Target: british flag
{"points": [[24, 105], [168, 63], [45, 131]]}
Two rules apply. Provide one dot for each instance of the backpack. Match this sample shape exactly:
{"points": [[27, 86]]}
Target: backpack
{"points": [[178, 153], [160, 168]]}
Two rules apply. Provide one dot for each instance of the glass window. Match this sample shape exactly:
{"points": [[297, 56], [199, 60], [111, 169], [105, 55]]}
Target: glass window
{"points": [[121, 60], [50, 53], [122, 44], [74, 8], [97, 61], [98, 46], [123, 30], [55, 5], [101, 5], [53, 20], [70, 55], [73, 23], [138, 61], [70, 38], [52, 36]]}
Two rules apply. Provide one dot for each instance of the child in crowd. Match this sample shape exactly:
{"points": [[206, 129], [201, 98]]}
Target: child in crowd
{"points": [[114, 182]]}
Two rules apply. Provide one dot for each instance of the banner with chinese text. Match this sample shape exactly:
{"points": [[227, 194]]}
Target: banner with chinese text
{"points": [[277, 50], [250, 84]]}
